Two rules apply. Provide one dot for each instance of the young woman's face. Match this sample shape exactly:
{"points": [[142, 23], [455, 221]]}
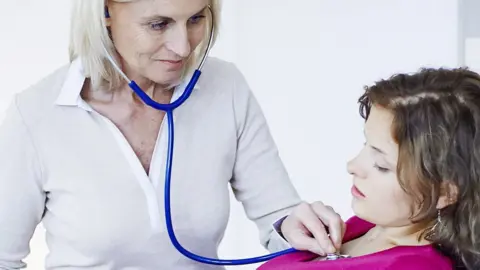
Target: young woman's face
{"points": [[377, 195]]}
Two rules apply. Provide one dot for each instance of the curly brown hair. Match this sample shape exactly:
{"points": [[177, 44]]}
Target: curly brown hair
{"points": [[437, 127]]}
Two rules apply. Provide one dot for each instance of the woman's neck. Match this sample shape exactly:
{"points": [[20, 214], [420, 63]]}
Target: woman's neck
{"points": [[124, 93], [382, 238], [409, 235]]}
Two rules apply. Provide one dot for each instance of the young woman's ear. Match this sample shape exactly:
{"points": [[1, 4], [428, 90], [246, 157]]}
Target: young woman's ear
{"points": [[448, 195]]}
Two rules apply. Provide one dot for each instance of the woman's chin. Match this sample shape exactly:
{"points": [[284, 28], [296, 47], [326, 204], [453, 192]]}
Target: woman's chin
{"points": [[162, 75], [167, 81], [358, 207]]}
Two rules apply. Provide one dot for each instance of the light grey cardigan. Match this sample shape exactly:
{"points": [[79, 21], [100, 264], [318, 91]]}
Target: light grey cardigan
{"points": [[65, 165]]}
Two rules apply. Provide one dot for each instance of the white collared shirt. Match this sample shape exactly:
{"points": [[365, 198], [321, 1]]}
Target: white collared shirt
{"points": [[63, 164]]}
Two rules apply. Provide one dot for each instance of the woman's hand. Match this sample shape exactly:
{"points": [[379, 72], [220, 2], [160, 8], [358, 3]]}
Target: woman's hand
{"points": [[306, 228]]}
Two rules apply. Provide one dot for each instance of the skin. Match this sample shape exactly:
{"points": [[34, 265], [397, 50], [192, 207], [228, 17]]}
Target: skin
{"points": [[305, 228], [153, 38], [150, 33], [374, 170]]}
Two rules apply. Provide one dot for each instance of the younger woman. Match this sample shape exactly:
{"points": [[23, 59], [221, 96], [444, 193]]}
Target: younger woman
{"points": [[416, 182]]}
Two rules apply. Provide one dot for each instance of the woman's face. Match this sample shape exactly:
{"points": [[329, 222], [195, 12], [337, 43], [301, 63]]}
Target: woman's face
{"points": [[154, 38], [377, 194]]}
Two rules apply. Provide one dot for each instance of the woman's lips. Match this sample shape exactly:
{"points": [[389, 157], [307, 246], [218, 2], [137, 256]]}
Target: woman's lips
{"points": [[356, 192]]}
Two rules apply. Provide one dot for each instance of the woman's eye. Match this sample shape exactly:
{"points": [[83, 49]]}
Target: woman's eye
{"points": [[158, 25], [381, 169], [196, 19], [162, 25]]}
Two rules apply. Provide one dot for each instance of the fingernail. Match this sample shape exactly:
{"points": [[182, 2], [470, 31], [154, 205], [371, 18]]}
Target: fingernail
{"points": [[331, 249], [318, 250]]}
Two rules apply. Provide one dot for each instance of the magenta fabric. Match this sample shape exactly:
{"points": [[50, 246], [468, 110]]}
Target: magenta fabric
{"points": [[397, 258]]}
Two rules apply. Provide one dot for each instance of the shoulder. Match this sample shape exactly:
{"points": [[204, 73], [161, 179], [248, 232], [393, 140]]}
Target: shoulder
{"points": [[221, 74], [223, 79], [355, 227], [425, 258], [36, 100], [46, 89], [215, 65]]}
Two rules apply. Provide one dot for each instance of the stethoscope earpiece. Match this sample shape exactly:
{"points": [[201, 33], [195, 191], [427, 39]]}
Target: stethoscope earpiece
{"points": [[107, 14]]}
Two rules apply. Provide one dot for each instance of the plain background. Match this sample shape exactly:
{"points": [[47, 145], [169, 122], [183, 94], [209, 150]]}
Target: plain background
{"points": [[307, 62]]}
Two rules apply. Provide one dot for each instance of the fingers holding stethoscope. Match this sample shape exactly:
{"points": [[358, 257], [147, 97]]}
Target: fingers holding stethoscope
{"points": [[314, 227]]}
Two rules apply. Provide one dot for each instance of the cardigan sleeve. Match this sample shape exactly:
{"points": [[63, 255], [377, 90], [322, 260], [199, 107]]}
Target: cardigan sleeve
{"points": [[260, 181], [21, 197]]}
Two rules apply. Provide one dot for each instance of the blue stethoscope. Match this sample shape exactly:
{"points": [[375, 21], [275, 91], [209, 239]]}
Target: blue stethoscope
{"points": [[168, 109]]}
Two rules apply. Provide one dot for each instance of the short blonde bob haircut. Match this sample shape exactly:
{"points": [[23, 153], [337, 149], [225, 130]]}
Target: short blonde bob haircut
{"points": [[89, 39]]}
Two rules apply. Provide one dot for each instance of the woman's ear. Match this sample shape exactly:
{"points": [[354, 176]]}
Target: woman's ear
{"points": [[448, 195]]}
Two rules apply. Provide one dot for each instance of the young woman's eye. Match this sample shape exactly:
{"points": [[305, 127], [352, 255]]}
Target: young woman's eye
{"points": [[381, 169]]}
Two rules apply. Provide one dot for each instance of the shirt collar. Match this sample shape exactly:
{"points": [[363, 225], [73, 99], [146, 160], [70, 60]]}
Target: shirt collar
{"points": [[70, 93]]}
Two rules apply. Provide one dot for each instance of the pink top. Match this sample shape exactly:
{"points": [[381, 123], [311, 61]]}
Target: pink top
{"points": [[398, 258]]}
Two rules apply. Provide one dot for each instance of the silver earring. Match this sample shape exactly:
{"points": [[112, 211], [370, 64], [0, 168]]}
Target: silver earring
{"points": [[437, 223]]}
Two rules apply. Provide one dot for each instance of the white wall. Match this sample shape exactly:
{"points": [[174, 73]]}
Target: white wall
{"points": [[469, 27], [306, 61]]}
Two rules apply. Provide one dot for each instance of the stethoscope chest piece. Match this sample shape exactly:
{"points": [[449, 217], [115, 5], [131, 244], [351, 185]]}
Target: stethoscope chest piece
{"points": [[335, 256]]}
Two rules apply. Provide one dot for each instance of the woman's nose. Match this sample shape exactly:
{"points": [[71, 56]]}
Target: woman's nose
{"points": [[354, 168], [179, 42], [350, 167]]}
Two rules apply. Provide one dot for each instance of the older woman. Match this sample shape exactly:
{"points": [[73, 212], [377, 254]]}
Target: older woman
{"points": [[82, 154]]}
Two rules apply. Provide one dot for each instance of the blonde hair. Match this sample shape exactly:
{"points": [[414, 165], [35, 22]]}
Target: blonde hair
{"points": [[90, 41]]}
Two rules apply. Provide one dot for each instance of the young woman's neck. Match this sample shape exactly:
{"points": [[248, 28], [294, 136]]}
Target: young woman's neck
{"points": [[381, 238], [410, 235]]}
